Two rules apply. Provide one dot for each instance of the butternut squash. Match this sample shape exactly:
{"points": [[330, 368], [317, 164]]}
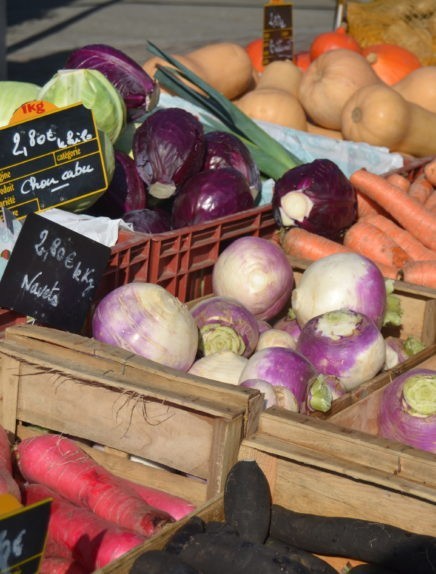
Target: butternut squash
{"points": [[319, 131], [378, 115], [281, 74], [225, 66], [275, 106], [328, 83], [419, 87]]}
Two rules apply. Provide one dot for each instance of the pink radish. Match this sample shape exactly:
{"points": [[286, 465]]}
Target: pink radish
{"points": [[63, 466], [93, 541]]}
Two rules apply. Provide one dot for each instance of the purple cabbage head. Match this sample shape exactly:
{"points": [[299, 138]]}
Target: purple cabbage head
{"points": [[211, 194], [168, 148], [149, 220], [139, 90], [315, 196], [125, 192], [224, 149]]}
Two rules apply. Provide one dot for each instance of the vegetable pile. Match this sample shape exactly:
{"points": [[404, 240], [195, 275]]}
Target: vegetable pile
{"points": [[302, 346], [95, 516], [260, 536]]}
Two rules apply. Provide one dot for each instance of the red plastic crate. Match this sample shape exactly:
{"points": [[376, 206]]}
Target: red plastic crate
{"points": [[182, 260]]}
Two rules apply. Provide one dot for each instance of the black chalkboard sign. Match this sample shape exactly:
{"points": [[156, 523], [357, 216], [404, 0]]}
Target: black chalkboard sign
{"points": [[51, 160], [23, 533], [52, 273], [278, 38]]}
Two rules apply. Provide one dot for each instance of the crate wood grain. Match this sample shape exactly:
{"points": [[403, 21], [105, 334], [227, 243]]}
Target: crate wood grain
{"points": [[173, 427], [78, 350], [306, 477]]}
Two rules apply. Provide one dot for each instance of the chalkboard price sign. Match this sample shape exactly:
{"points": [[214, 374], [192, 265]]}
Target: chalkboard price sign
{"points": [[52, 273], [278, 39], [22, 536], [51, 160]]}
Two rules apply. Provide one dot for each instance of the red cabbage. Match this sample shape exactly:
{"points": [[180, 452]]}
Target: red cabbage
{"points": [[139, 90], [168, 148], [210, 194], [316, 196], [224, 149], [148, 220], [126, 190]]}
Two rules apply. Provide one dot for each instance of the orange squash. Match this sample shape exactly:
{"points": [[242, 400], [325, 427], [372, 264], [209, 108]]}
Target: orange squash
{"points": [[390, 62], [328, 83], [331, 41], [255, 51], [378, 115], [419, 87]]}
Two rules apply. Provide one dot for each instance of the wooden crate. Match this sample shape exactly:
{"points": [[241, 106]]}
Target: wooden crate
{"points": [[312, 466], [80, 387]]}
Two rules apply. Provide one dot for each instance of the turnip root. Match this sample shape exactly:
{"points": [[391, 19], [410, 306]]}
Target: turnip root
{"points": [[93, 541], [63, 466]]}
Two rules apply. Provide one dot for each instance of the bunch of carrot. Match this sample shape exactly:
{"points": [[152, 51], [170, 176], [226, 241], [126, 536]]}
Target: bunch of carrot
{"points": [[396, 226]]}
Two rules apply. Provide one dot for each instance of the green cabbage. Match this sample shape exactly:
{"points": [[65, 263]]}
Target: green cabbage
{"points": [[94, 91], [13, 95]]}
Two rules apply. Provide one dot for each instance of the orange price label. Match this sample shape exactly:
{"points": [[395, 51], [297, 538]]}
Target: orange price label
{"points": [[32, 109]]}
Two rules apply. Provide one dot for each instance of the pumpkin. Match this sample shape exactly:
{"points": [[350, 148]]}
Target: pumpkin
{"points": [[255, 51], [390, 62], [419, 87], [282, 74], [328, 83], [302, 59], [273, 105], [332, 41], [225, 66], [378, 115]]}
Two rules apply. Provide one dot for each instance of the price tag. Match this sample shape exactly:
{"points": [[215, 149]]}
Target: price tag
{"points": [[278, 38], [23, 534], [49, 158], [52, 273]]}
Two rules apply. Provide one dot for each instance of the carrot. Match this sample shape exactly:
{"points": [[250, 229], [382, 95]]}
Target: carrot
{"points": [[303, 244], [430, 204], [93, 541], [420, 273], [370, 241], [420, 189], [405, 210], [399, 180], [366, 206], [412, 246], [62, 465], [430, 171]]}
